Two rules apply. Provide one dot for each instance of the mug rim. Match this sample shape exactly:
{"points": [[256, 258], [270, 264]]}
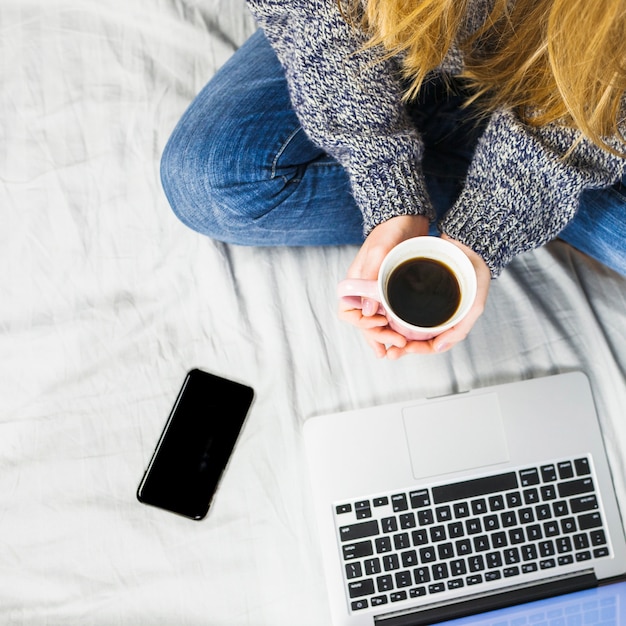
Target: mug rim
{"points": [[439, 250]]}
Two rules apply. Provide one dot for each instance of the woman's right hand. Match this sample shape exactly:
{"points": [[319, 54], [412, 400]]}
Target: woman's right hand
{"points": [[366, 264]]}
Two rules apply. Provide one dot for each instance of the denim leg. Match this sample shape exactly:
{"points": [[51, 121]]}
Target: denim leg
{"points": [[239, 168], [599, 227]]}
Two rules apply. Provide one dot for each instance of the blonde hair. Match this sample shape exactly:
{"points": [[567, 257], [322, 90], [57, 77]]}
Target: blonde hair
{"points": [[558, 61]]}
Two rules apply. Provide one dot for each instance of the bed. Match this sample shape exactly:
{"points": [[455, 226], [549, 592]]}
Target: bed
{"points": [[107, 301]]}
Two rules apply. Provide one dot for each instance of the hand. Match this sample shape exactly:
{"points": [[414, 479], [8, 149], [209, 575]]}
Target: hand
{"points": [[382, 339], [366, 265]]}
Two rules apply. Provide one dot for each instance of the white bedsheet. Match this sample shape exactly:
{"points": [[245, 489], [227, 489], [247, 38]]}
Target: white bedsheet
{"points": [[107, 300]]}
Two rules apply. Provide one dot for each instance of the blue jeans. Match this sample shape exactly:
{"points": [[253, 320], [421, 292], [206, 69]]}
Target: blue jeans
{"points": [[240, 169]]}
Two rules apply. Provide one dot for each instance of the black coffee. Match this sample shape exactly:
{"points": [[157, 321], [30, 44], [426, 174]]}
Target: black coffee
{"points": [[423, 292]]}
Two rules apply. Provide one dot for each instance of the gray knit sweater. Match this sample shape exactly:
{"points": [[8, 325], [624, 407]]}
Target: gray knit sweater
{"points": [[519, 192]]}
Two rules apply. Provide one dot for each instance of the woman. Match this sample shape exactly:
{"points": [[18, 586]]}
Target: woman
{"points": [[499, 123]]}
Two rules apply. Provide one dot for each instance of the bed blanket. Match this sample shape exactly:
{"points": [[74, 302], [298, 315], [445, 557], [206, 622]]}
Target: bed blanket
{"points": [[107, 300]]}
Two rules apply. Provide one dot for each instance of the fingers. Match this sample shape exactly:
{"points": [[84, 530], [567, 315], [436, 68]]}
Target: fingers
{"points": [[356, 318]]}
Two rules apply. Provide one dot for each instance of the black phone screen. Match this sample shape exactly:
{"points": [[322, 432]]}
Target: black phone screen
{"points": [[196, 444]]}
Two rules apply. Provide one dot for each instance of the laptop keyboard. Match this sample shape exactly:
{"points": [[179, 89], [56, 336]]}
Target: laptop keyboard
{"points": [[504, 527]]}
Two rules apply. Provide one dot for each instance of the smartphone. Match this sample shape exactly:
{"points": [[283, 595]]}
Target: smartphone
{"points": [[196, 444]]}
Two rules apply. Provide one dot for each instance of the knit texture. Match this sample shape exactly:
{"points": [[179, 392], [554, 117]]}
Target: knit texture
{"points": [[519, 192]]}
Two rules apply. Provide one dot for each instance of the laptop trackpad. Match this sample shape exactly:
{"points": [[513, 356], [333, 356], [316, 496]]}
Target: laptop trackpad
{"points": [[455, 434]]}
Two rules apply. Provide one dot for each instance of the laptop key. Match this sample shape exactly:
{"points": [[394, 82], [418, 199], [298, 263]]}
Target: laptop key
{"points": [[529, 552], [360, 588], [403, 579], [398, 596], [531, 496], [598, 538], [474, 488], [357, 605], [391, 562], [565, 470], [437, 533], [575, 487], [378, 600], [421, 575], [427, 554], [399, 502], [529, 477], [384, 583], [461, 510], [548, 492], [548, 473], [514, 499], [425, 517], [546, 548], [443, 513], [445, 550], [383, 544], [363, 509], [372, 566], [568, 525], [511, 556], [590, 520], [440, 571], [496, 503], [357, 550], [407, 520], [419, 499], [359, 531], [564, 544], [582, 467], [353, 570], [584, 503], [401, 541], [542, 511], [409, 558], [479, 506]]}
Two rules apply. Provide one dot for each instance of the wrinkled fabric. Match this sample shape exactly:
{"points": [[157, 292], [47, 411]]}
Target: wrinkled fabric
{"points": [[106, 300]]}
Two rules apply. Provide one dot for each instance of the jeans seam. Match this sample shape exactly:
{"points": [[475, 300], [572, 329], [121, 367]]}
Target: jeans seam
{"points": [[280, 152]]}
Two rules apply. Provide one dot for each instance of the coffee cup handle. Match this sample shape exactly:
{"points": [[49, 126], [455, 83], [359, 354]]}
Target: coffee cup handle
{"points": [[352, 290]]}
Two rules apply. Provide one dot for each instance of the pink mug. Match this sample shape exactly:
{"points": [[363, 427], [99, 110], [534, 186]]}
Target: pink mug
{"points": [[425, 286]]}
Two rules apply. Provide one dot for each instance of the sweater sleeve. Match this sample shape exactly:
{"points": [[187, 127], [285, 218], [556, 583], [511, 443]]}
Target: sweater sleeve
{"points": [[350, 104], [521, 190]]}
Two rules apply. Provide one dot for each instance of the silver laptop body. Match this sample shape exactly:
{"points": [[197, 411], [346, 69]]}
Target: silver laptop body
{"points": [[440, 508]]}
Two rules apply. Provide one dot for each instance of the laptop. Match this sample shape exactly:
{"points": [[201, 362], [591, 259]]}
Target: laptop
{"points": [[478, 508]]}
